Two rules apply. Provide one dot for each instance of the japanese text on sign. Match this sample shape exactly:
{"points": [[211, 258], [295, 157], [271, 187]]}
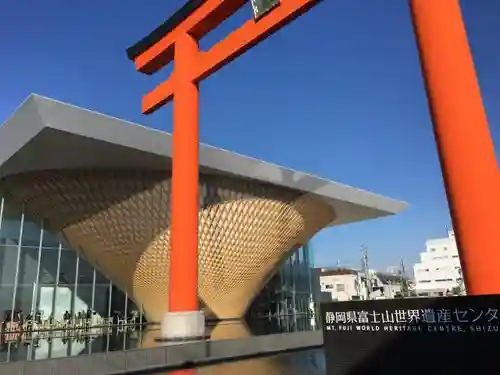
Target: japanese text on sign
{"points": [[430, 316]]}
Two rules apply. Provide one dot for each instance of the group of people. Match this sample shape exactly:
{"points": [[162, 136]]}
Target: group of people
{"points": [[14, 318], [18, 321]]}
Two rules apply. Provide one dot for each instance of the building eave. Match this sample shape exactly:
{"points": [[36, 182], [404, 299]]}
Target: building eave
{"points": [[47, 134]]}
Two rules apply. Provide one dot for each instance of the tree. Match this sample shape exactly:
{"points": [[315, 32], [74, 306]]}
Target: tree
{"points": [[459, 289]]}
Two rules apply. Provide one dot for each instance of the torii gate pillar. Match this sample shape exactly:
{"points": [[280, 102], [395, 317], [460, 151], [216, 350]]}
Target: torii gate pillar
{"points": [[465, 147]]}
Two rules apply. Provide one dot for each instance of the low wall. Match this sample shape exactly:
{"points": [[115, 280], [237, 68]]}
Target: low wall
{"points": [[165, 357]]}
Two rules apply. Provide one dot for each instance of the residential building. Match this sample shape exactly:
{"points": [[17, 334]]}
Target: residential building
{"points": [[346, 284], [439, 271], [386, 285]]}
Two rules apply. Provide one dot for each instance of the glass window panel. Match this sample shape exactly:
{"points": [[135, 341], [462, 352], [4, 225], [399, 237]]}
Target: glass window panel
{"points": [[290, 288], [310, 254], [83, 299], [67, 270], [50, 239], [48, 266], [24, 297], [8, 258], [101, 300], [64, 295], [101, 279], [45, 301], [31, 234], [132, 307], [117, 302], [6, 292], [65, 243], [85, 273], [27, 265], [285, 271], [9, 233]]}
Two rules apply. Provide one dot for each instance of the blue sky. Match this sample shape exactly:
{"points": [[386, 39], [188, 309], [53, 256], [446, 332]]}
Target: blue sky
{"points": [[338, 94]]}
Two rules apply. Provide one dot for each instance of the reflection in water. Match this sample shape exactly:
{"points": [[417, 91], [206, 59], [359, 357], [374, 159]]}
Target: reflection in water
{"points": [[67, 343], [43, 345], [310, 362]]}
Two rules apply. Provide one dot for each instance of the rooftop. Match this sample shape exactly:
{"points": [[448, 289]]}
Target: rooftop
{"points": [[47, 134], [339, 271]]}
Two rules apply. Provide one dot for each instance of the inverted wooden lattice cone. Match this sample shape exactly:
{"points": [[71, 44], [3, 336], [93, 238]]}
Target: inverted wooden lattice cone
{"points": [[119, 220]]}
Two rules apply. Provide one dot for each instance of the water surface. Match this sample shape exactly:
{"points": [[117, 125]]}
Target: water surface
{"points": [[308, 362], [32, 346]]}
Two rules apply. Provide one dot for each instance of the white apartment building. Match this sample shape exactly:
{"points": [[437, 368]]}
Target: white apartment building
{"points": [[439, 270]]}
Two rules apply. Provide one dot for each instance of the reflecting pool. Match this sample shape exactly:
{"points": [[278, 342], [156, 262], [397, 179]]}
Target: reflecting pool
{"points": [[30, 345], [309, 362]]}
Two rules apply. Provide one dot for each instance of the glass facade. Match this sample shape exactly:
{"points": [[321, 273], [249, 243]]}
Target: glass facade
{"points": [[290, 293], [44, 281], [42, 278]]}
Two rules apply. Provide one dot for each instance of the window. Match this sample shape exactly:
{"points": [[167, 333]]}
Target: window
{"points": [[340, 287], [101, 296], [85, 273], [31, 234], [24, 295], [28, 266], [8, 258], [9, 233], [6, 293], [101, 279], [67, 268], [50, 239], [300, 254], [48, 266]]}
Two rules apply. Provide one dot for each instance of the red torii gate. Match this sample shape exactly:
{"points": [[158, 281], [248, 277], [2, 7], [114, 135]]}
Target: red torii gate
{"points": [[177, 40], [465, 147]]}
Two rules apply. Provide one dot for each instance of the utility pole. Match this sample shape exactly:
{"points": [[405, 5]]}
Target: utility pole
{"points": [[366, 270], [404, 283], [460, 283]]}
